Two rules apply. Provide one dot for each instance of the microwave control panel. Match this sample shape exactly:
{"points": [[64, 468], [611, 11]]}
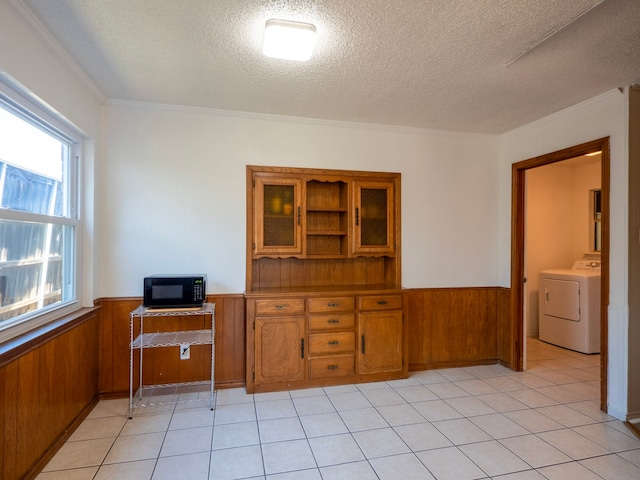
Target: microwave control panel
{"points": [[198, 290]]}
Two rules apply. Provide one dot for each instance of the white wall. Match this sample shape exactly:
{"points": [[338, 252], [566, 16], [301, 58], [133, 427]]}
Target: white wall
{"points": [[600, 117], [173, 192], [30, 58]]}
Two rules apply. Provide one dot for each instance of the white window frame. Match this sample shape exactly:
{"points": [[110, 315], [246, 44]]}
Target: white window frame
{"points": [[19, 101]]}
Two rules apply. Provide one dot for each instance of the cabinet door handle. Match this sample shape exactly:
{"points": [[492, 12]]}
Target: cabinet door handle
{"points": [[332, 367], [302, 348], [382, 302], [333, 342], [362, 344], [299, 215], [333, 320], [282, 306], [357, 216], [333, 304]]}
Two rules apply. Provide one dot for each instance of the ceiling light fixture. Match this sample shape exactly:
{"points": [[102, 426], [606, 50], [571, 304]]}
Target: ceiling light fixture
{"points": [[289, 40]]}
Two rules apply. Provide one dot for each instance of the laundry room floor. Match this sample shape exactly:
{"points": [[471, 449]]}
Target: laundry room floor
{"points": [[460, 423]]}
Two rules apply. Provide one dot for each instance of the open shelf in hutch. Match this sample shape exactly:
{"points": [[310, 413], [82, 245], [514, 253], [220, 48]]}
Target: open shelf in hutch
{"points": [[327, 218]]}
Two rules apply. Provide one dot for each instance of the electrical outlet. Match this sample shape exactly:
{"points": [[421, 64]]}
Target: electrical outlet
{"points": [[185, 351]]}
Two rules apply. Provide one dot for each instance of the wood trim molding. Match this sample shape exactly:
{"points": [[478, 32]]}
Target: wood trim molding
{"points": [[634, 428], [518, 171]]}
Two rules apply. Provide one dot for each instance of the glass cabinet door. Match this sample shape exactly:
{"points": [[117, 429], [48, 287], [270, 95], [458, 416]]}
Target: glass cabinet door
{"points": [[374, 218], [278, 218]]}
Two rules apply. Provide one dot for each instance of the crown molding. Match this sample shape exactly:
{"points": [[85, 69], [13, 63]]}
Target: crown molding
{"points": [[50, 42], [140, 105]]}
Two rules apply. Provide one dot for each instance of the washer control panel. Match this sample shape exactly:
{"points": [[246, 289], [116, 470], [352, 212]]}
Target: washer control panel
{"points": [[586, 265]]}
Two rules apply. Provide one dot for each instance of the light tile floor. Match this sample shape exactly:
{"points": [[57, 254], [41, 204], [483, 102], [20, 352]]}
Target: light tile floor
{"points": [[464, 423]]}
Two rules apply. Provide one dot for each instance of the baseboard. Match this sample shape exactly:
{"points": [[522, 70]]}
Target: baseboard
{"points": [[634, 426], [416, 367]]}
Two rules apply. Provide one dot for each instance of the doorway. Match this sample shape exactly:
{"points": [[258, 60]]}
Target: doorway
{"points": [[518, 211]]}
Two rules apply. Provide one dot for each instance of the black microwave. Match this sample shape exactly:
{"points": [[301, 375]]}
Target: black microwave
{"points": [[174, 291]]}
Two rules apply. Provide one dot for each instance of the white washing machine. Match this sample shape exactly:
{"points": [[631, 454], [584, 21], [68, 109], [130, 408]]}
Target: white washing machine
{"points": [[569, 307]]}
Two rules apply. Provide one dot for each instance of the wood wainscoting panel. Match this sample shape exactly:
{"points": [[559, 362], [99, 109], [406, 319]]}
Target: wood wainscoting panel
{"points": [[29, 390], [9, 438], [451, 327], [163, 365], [3, 409], [48, 383], [420, 326], [230, 340], [114, 343]]}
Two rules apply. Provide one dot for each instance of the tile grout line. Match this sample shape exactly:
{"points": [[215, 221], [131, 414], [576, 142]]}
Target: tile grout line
{"points": [[478, 379]]}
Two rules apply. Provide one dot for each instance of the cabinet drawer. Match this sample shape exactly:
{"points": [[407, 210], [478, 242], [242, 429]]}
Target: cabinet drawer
{"points": [[334, 366], [331, 321], [282, 306], [323, 343], [381, 302], [331, 304]]}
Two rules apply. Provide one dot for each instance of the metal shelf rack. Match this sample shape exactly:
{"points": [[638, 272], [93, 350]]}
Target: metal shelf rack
{"points": [[167, 339]]}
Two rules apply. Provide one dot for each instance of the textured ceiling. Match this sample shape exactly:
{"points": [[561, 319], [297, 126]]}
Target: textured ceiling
{"points": [[425, 63]]}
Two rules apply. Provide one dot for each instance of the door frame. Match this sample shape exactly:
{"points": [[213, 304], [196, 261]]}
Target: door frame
{"points": [[518, 172]]}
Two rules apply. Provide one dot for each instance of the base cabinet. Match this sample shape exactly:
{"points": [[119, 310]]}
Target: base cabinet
{"points": [[380, 342], [319, 340], [380, 330], [279, 349]]}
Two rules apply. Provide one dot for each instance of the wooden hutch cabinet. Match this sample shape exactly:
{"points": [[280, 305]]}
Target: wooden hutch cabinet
{"points": [[324, 301]]}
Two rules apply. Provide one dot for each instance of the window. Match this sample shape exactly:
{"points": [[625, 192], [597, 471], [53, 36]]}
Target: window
{"points": [[39, 224], [595, 234]]}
